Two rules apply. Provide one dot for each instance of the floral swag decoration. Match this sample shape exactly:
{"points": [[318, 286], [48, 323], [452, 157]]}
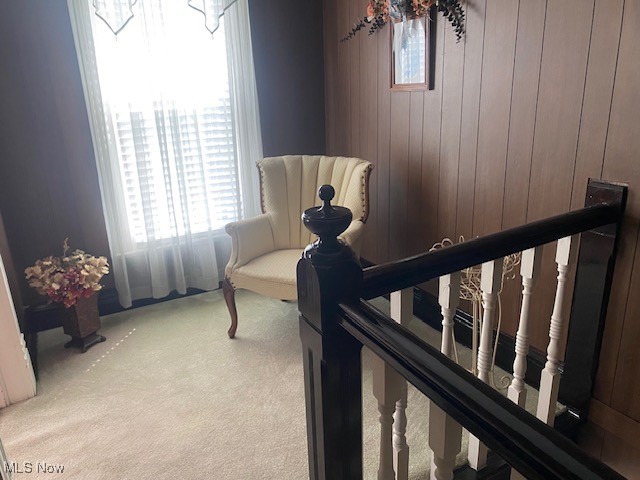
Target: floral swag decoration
{"points": [[70, 277], [379, 12]]}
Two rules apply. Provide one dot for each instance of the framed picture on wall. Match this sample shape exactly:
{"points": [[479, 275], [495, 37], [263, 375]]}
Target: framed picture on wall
{"points": [[412, 52]]}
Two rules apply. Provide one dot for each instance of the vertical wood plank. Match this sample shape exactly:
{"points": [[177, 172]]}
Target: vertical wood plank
{"points": [[431, 127], [343, 15], [384, 141], [450, 132], [414, 178], [356, 11], [495, 108], [398, 174], [368, 117], [526, 73], [473, 52]]}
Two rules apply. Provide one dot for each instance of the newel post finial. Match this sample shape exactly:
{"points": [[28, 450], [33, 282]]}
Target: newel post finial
{"points": [[329, 273], [328, 222]]}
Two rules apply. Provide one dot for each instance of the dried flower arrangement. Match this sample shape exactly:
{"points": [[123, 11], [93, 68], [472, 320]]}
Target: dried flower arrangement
{"points": [[70, 277], [379, 12]]}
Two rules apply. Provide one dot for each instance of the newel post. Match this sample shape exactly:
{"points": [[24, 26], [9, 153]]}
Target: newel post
{"points": [[594, 275], [329, 273]]}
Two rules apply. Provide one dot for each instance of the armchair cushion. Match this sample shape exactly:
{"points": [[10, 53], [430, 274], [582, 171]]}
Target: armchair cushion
{"points": [[272, 274]]}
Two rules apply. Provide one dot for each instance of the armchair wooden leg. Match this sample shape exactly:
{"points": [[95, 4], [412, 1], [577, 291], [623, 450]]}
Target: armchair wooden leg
{"points": [[229, 297]]}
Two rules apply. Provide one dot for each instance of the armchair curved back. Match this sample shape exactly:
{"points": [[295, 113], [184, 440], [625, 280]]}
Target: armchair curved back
{"points": [[289, 184]]}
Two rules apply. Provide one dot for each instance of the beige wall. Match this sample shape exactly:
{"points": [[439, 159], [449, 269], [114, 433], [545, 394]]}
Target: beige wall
{"points": [[540, 96], [49, 184]]}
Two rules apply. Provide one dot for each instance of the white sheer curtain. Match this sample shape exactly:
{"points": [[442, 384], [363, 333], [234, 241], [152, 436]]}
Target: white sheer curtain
{"points": [[175, 124]]}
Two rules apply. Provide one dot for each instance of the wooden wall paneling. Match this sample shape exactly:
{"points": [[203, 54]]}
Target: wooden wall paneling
{"points": [[598, 94], [501, 23], [415, 244], [384, 142], [615, 324], [625, 397], [431, 127], [450, 132], [399, 174], [621, 164], [473, 52], [571, 102], [601, 69], [357, 10], [342, 142], [625, 428], [369, 132], [524, 99], [472, 74], [331, 41], [562, 78], [621, 456]]}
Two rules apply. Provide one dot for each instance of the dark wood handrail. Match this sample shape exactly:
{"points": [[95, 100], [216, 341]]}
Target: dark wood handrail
{"points": [[389, 277], [532, 447]]}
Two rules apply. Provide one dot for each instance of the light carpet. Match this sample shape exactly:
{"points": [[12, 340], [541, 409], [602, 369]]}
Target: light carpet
{"points": [[169, 396]]}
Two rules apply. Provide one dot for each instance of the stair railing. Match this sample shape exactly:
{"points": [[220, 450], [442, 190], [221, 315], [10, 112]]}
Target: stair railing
{"points": [[336, 321]]}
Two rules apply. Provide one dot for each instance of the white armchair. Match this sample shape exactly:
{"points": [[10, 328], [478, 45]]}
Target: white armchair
{"points": [[266, 249]]}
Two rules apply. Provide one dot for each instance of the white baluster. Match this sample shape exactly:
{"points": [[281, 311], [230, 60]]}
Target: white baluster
{"points": [[530, 271], [400, 447], [449, 299], [445, 435], [390, 389], [401, 312], [490, 283], [550, 378], [385, 389]]}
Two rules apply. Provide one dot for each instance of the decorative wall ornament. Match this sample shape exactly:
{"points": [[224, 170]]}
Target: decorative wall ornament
{"points": [[380, 12], [117, 13]]}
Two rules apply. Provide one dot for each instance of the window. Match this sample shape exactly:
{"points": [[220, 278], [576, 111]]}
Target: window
{"points": [[174, 120], [165, 88]]}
